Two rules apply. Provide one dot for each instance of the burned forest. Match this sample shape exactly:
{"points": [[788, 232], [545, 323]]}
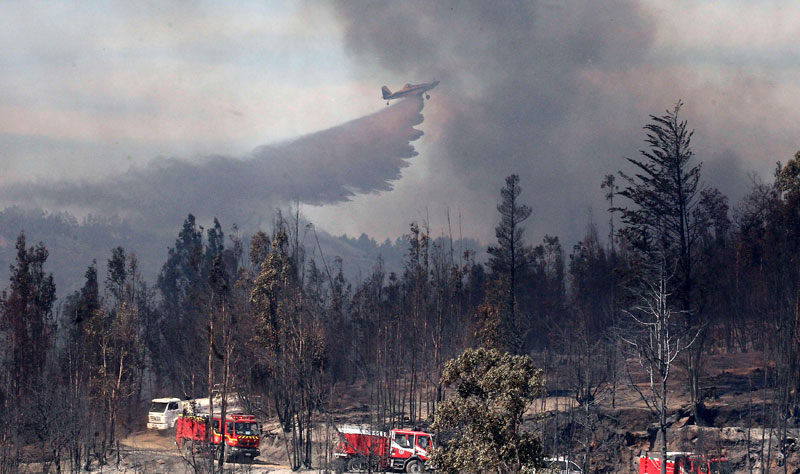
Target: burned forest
{"points": [[671, 326]]}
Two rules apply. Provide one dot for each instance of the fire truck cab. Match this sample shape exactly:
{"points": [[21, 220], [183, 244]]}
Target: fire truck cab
{"points": [[409, 450], [163, 413]]}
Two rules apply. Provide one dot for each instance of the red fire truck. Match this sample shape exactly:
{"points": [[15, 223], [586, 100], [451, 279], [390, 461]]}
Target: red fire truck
{"points": [[195, 433], [397, 450], [683, 463]]}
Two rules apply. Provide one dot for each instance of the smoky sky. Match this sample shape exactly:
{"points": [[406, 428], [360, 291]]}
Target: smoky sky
{"points": [[557, 92], [361, 156]]}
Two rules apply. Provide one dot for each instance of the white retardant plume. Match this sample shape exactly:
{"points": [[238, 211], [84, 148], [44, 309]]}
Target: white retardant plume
{"points": [[360, 156]]}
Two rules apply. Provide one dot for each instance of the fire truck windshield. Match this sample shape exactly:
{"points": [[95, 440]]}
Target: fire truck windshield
{"points": [[247, 429], [403, 440], [158, 407]]}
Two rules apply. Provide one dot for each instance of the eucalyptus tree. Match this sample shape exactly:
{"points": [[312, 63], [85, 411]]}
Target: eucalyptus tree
{"points": [[480, 423]]}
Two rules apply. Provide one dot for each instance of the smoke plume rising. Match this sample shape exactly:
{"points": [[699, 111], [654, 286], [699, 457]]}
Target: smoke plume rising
{"points": [[557, 92]]}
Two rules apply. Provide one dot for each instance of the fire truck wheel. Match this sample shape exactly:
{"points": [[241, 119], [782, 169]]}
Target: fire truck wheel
{"points": [[187, 449], [414, 466], [339, 466], [356, 465]]}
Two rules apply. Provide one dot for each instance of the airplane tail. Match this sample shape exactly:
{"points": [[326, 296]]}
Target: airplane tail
{"points": [[386, 92]]}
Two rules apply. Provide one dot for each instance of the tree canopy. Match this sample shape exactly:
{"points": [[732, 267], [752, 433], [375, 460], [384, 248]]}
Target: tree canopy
{"points": [[480, 424]]}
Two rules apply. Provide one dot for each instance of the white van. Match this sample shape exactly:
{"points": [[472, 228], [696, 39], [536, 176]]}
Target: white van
{"points": [[163, 413]]}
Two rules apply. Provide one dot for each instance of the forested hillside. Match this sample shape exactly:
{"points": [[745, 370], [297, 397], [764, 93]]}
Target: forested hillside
{"points": [[684, 275]]}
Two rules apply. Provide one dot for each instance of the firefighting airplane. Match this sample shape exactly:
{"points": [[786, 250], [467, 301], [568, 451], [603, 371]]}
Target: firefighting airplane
{"points": [[408, 90]]}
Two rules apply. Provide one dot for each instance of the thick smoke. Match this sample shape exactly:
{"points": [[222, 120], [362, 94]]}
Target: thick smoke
{"points": [[555, 91], [514, 79], [329, 166]]}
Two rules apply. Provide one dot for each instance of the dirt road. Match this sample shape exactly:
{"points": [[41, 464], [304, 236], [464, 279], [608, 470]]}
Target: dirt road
{"points": [[156, 452]]}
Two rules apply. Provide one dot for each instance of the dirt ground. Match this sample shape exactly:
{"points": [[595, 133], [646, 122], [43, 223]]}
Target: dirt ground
{"points": [[156, 452], [738, 409]]}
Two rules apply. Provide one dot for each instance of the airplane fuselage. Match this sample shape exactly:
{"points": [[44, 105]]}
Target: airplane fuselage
{"points": [[408, 90]]}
